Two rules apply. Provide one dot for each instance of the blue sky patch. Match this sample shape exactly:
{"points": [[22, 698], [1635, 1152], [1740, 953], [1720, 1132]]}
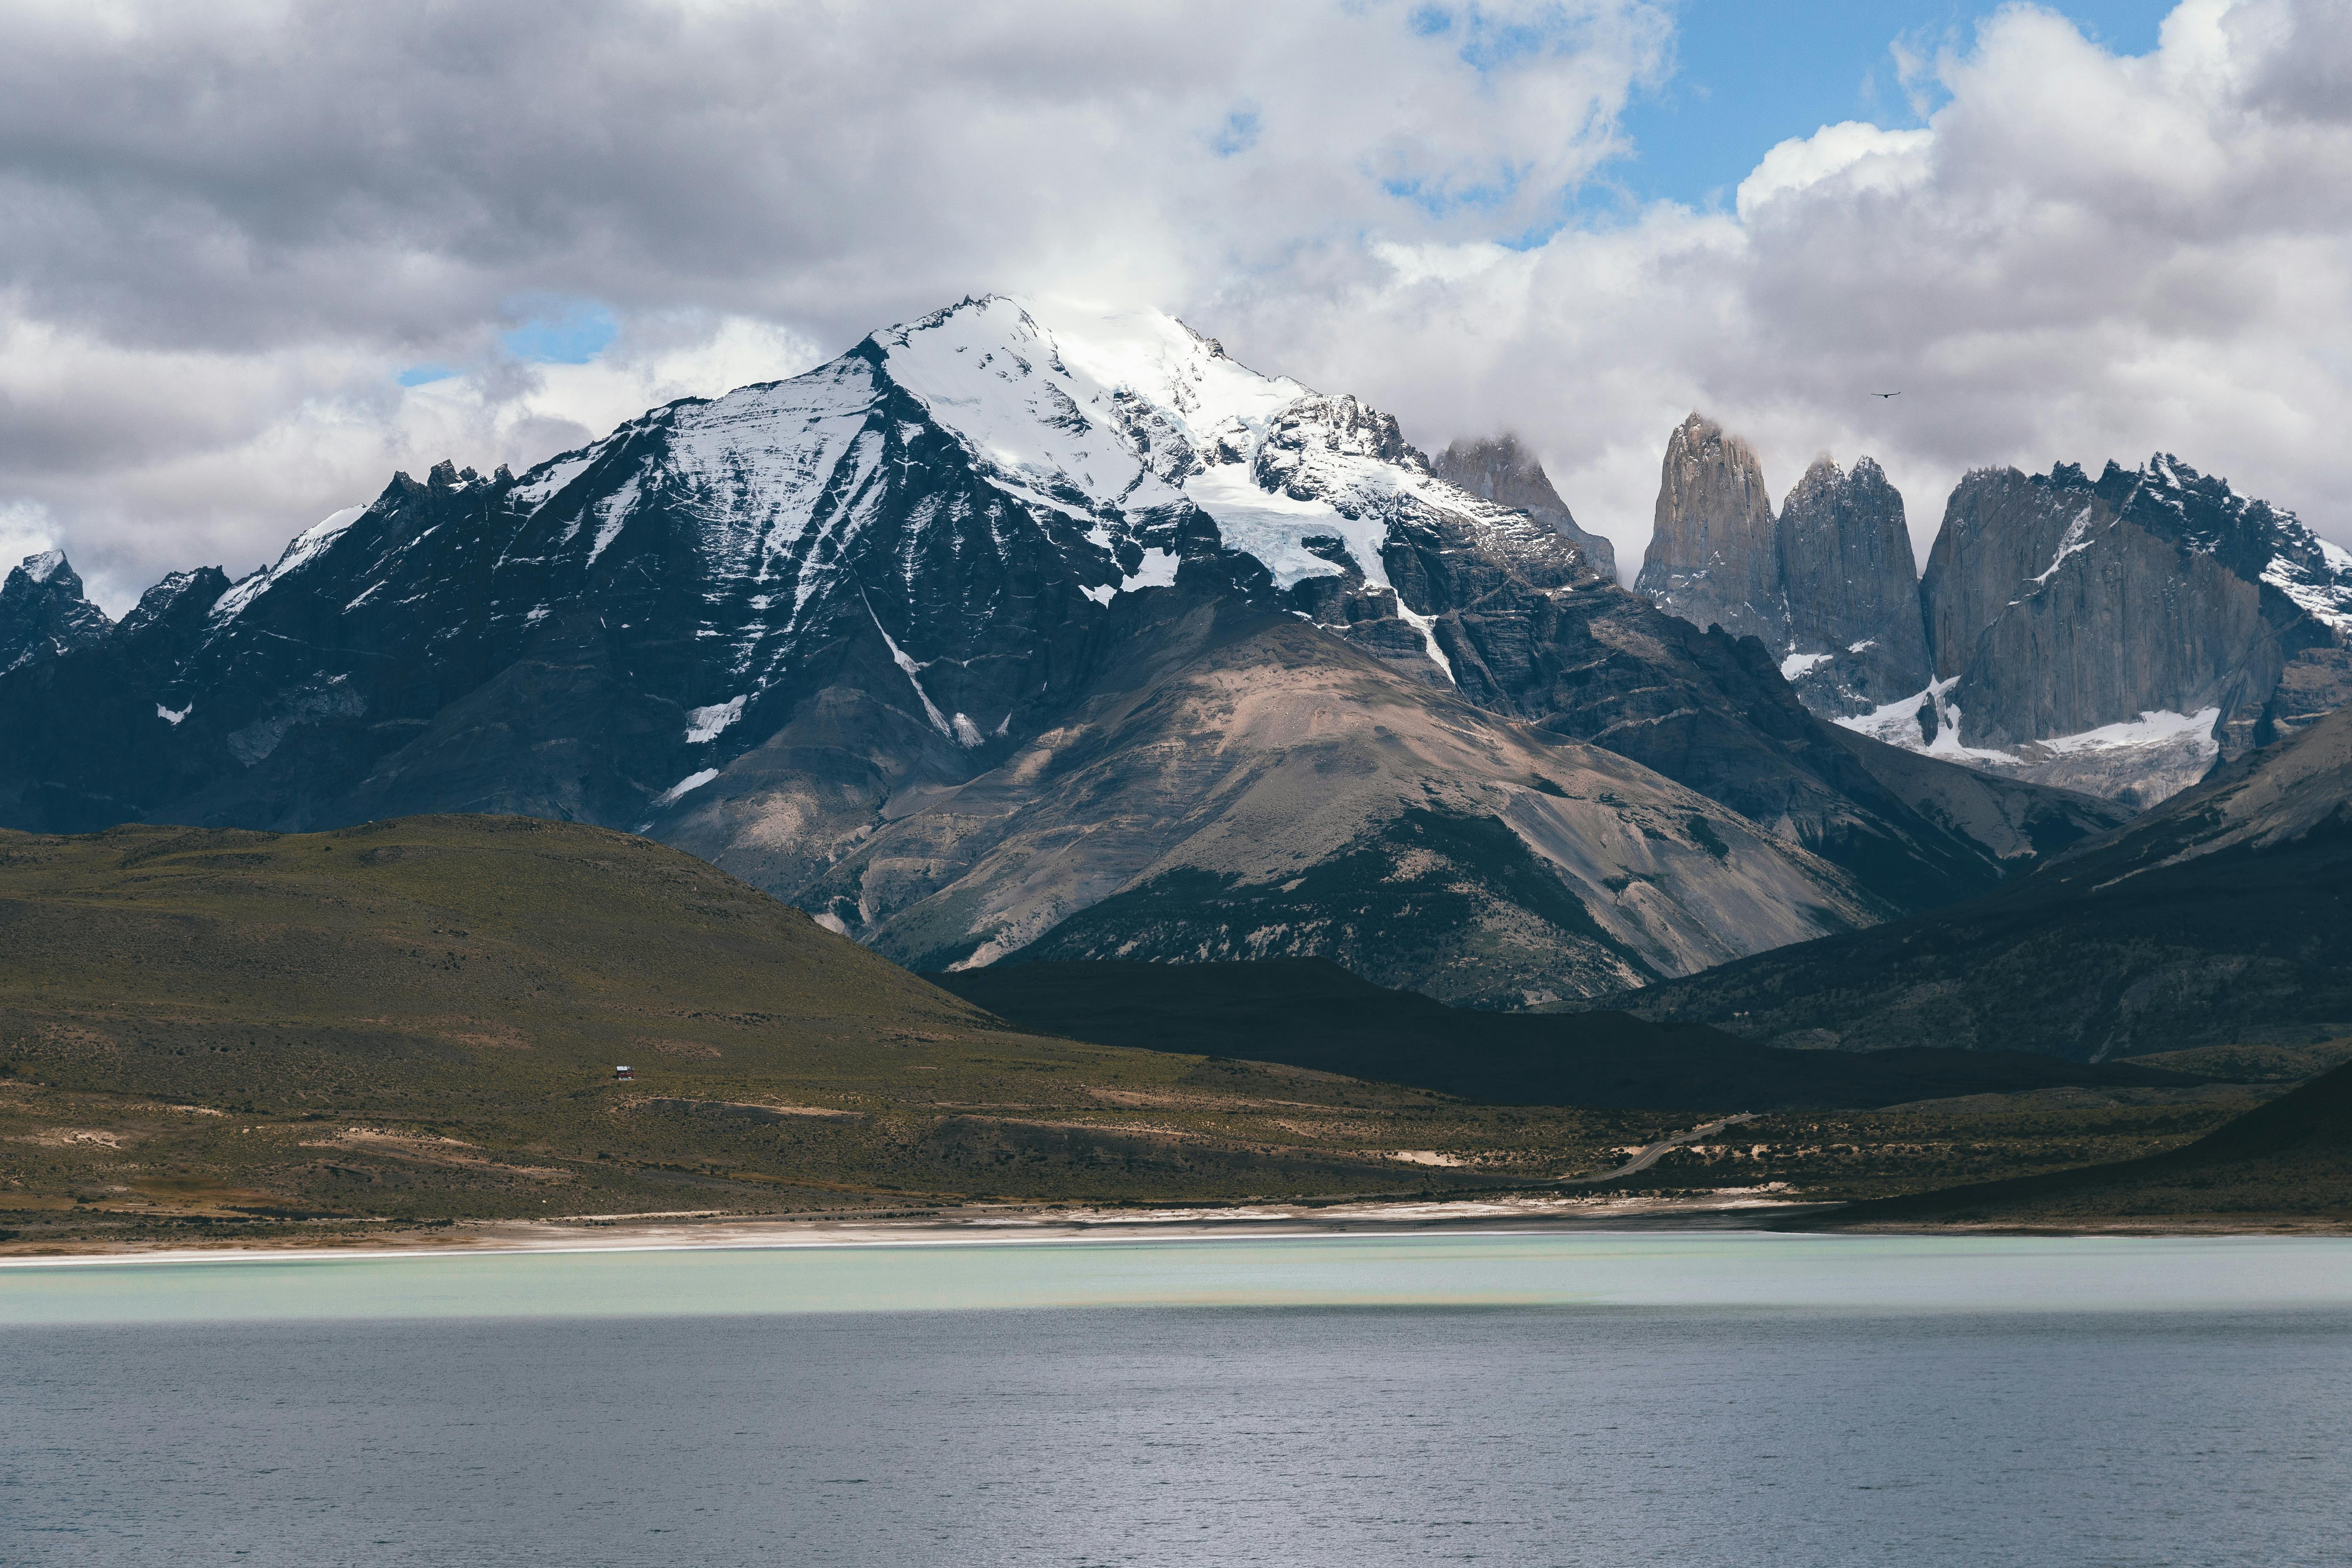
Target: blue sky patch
{"points": [[424, 375], [561, 332], [1749, 73]]}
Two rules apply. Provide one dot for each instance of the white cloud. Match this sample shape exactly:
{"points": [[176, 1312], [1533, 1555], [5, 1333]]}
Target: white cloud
{"points": [[2080, 257], [1859, 156], [229, 228], [26, 529]]}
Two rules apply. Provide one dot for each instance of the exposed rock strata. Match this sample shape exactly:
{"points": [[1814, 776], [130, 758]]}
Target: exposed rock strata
{"points": [[1501, 470]]}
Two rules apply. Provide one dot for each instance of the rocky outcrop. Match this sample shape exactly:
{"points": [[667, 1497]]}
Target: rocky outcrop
{"points": [[2120, 636], [43, 613], [1500, 469], [1828, 586], [2052, 615], [2305, 582], [1855, 640], [1715, 554], [2115, 636]]}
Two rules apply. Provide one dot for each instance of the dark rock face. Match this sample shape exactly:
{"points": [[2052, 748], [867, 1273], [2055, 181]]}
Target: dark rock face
{"points": [[1828, 586], [1500, 469], [2305, 583], [2123, 635], [1715, 554], [2053, 616], [1712, 713], [979, 634], [43, 613], [2116, 637], [1856, 641]]}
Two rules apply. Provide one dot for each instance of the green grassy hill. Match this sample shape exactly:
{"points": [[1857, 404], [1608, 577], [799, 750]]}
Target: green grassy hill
{"points": [[419, 1020]]}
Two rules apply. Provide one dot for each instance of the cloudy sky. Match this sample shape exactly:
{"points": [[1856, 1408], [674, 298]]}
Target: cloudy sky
{"points": [[256, 257]]}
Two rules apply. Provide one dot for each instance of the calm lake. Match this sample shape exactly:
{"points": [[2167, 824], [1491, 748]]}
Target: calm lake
{"points": [[1565, 1399]]}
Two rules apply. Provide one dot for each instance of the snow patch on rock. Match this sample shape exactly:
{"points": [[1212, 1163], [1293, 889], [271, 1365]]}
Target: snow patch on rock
{"points": [[306, 547], [2153, 727], [684, 786], [703, 724]]}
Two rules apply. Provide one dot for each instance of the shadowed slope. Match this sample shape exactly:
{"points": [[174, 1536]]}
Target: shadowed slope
{"points": [[2288, 1160], [2216, 920], [1305, 1012]]}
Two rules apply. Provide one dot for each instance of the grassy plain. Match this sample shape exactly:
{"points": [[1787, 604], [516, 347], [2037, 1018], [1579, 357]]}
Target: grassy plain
{"points": [[224, 1034]]}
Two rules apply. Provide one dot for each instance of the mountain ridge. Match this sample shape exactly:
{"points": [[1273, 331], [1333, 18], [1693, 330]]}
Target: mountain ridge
{"points": [[2118, 635], [854, 632]]}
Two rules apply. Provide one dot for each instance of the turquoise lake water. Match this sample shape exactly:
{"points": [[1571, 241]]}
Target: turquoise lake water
{"points": [[1590, 1399]]}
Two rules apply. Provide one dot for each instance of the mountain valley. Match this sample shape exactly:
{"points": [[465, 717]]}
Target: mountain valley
{"points": [[1069, 659]]}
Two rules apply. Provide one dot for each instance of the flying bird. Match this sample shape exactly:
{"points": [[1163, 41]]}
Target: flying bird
{"points": [[1886, 394]]}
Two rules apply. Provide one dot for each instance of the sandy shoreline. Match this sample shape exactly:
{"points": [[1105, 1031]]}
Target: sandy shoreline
{"points": [[1009, 1225], [992, 1226]]}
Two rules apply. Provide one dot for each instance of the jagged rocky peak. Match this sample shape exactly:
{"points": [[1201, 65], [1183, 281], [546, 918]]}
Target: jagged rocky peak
{"points": [[177, 605], [1297, 456], [1501, 469], [1856, 641], [1714, 557], [43, 611]]}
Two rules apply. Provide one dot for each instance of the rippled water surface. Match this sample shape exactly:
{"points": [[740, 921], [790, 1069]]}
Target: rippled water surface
{"points": [[1574, 1399]]}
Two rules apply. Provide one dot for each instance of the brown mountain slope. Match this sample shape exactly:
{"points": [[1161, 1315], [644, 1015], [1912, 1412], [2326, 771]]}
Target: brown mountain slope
{"points": [[1238, 785]]}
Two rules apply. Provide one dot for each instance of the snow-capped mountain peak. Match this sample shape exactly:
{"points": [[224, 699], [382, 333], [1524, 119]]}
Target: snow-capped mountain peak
{"points": [[1134, 412]]}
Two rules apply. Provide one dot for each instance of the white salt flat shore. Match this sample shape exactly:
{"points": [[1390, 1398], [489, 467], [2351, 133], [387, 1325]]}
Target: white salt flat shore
{"points": [[1005, 1224]]}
